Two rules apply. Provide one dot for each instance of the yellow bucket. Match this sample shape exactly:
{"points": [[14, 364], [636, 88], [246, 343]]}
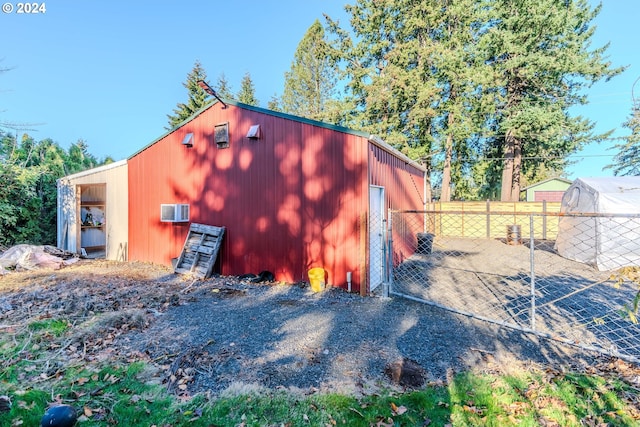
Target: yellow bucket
{"points": [[316, 279]]}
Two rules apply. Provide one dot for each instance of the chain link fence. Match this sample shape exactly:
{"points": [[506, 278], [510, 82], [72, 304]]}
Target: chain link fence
{"points": [[561, 276]]}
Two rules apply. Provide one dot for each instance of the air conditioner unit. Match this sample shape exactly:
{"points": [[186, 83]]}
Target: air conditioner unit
{"points": [[174, 212]]}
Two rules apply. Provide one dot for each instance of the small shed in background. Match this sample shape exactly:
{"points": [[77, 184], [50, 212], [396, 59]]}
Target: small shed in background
{"points": [[549, 190], [93, 212], [292, 194]]}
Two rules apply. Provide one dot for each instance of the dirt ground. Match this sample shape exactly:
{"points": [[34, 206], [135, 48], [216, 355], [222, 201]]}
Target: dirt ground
{"points": [[223, 335]]}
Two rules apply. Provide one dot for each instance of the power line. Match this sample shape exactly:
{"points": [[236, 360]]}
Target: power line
{"points": [[534, 157]]}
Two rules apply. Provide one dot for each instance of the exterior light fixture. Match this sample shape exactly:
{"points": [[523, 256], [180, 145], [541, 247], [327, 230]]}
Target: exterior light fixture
{"points": [[210, 91]]}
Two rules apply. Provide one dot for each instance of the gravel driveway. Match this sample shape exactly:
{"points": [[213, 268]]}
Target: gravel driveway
{"points": [[230, 335]]}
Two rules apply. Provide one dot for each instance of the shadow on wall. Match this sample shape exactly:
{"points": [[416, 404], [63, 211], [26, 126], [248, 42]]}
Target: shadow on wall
{"points": [[290, 200]]}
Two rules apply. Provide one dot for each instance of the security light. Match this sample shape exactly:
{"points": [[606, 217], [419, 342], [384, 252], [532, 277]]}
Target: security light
{"points": [[210, 91]]}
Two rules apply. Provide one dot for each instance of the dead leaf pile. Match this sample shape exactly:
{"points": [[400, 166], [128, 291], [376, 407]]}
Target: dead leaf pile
{"points": [[100, 301]]}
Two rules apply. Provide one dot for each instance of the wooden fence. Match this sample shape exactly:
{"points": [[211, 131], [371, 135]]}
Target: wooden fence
{"points": [[491, 219]]}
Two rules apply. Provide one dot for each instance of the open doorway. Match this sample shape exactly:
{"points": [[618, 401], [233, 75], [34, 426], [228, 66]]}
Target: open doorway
{"points": [[92, 209]]}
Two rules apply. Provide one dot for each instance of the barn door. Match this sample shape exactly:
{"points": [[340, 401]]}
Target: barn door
{"points": [[376, 236]]}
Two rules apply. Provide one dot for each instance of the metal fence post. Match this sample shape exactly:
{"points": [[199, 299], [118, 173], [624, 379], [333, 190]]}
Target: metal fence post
{"points": [[544, 220], [487, 280], [488, 219], [533, 273], [389, 256]]}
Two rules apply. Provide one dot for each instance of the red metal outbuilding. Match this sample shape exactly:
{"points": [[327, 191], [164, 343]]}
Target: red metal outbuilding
{"points": [[292, 194]]}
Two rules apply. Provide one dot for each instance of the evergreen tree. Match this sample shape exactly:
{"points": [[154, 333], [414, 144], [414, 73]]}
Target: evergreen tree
{"points": [[456, 65], [247, 94], [456, 84], [541, 60], [78, 158], [627, 161], [410, 74], [274, 103], [197, 97], [311, 81], [17, 193], [222, 87]]}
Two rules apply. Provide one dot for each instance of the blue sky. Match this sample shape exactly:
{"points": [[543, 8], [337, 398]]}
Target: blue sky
{"points": [[109, 72]]}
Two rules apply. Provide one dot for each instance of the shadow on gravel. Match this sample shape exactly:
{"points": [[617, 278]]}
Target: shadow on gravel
{"points": [[239, 337]]}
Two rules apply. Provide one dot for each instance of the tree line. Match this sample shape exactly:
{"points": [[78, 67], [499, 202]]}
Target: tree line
{"points": [[29, 170], [198, 98], [479, 91]]}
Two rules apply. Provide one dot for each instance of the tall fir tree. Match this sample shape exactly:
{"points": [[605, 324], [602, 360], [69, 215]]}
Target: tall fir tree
{"points": [[541, 57], [458, 83], [409, 70], [222, 87], [197, 97], [455, 63], [627, 160], [310, 83], [247, 93]]}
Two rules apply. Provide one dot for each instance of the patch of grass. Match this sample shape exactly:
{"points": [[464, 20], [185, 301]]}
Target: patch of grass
{"points": [[115, 395], [27, 407], [577, 399], [54, 327], [428, 407], [21, 350]]}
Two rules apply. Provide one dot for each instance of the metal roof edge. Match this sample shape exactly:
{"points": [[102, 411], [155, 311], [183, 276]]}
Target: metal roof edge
{"points": [[298, 119], [372, 138], [390, 149], [178, 126], [97, 169], [566, 180]]}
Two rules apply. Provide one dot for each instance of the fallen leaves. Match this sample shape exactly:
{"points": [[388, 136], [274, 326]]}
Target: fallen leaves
{"points": [[92, 305], [101, 309], [398, 410], [472, 409]]}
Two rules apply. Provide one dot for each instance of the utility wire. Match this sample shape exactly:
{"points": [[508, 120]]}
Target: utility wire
{"points": [[468, 159]]}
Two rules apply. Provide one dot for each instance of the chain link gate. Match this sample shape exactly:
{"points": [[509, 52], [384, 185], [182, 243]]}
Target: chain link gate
{"points": [[505, 268], [377, 238]]}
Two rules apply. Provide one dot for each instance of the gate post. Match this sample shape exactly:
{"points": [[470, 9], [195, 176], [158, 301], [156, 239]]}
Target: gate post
{"points": [[388, 258], [532, 275], [488, 219]]}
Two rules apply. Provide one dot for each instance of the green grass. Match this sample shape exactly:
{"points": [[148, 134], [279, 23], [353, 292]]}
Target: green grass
{"points": [[54, 327], [116, 394]]}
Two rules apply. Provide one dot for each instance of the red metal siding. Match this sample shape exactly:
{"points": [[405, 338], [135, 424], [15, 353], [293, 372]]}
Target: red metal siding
{"points": [[403, 182], [290, 201], [404, 190]]}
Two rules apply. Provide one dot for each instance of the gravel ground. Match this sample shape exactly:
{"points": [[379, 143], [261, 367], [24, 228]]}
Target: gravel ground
{"points": [[225, 335], [231, 335], [493, 280]]}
